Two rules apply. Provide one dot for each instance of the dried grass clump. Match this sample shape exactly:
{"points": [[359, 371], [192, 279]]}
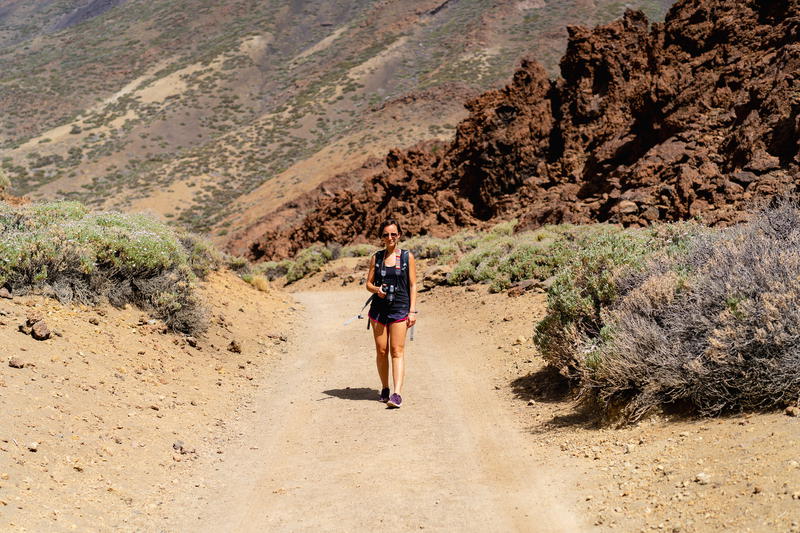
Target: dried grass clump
{"points": [[717, 327], [4, 181], [258, 281], [67, 251]]}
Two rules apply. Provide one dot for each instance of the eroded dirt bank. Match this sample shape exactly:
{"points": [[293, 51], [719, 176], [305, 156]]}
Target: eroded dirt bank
{"points": [[103, 422]]}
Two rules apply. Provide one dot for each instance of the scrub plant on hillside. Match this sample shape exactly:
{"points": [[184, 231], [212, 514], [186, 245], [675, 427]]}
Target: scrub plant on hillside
{"points": [[708, 322], [69, 252], [585, 284], [4, 181], [307, 262]]}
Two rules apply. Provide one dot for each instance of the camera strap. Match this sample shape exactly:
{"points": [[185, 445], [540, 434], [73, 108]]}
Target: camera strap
{"points": [[398, 264]]}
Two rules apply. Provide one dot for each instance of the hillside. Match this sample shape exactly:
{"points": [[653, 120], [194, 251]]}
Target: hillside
{"points": [[693, 117], [213, 113]]}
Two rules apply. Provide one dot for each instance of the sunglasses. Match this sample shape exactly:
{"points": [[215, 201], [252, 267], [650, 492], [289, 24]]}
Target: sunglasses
{"points": [[385, 235]]}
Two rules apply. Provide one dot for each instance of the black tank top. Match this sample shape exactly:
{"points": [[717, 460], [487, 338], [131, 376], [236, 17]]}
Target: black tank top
{"points": [[398, 277]]}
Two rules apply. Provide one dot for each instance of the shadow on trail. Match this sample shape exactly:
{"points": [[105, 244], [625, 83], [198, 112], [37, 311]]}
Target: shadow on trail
{"points": [[549, 386], [545, 385], [359, 393]]}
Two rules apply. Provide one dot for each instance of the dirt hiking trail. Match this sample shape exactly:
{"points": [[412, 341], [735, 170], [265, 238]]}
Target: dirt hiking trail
{"points": [[321, 454]]}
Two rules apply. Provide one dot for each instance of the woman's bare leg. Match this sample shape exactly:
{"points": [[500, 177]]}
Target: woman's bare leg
{"points": [[397, 340], [381, 335]]}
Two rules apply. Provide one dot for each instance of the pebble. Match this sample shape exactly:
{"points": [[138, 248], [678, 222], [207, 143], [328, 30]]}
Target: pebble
{"points": [[33, 446], [702, 478], [792, 410]]}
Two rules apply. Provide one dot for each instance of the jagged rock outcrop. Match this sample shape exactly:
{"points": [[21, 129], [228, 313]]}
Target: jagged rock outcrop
{"points": [[696, 116]]}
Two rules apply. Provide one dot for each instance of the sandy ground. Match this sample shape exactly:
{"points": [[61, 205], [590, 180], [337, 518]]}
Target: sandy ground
{"points": [[323, 455], [104, 404], [287, 435]]}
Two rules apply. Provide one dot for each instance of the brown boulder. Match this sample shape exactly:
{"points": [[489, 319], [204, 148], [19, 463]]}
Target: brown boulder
{"points": [[434, 276]]}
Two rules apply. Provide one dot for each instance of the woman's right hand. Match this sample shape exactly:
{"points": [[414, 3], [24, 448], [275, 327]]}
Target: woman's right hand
{"points": [[380, 292]]}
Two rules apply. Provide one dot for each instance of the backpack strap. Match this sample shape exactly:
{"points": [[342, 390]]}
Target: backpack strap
{"points": [[400, 264], [378, 264], [404, 261]]}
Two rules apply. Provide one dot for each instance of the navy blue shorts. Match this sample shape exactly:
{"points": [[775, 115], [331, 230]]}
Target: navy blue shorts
{"points": [[389, 317]]}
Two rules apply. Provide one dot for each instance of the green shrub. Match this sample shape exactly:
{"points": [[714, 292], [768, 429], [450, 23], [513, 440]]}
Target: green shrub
{"points": [[72, 253], [204, 257], [237, 263], [272, 270], [307, 262], [442, 250], [715, 326], [358, 250], [585, 285], [481, 263]]}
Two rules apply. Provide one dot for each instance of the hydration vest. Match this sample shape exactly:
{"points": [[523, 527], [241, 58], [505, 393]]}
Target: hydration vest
{"points": [[400, 266]]}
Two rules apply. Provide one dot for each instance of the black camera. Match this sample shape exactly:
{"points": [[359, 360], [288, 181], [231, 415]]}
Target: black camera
{"points": [[388, 290]]}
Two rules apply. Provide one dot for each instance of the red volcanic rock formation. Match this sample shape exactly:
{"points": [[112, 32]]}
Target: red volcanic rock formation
{"points": [[696, 116]]}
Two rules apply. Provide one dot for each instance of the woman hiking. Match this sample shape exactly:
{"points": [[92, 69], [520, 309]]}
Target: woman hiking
{"points": [[392, 279]]}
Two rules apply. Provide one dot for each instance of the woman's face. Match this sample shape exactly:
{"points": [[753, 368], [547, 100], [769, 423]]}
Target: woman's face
{"points": [[390, 234]]}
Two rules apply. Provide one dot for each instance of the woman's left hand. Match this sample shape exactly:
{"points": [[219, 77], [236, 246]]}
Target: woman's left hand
{"points": [[412, 319]]}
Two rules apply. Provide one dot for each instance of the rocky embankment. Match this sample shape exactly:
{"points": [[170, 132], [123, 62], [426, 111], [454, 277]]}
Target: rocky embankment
{"points": [[696, 116]]}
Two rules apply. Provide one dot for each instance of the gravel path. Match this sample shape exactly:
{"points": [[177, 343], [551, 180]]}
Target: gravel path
{"points": [[320, 453]]}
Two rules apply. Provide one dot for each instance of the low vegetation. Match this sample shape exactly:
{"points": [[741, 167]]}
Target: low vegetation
{"points": [[678, 315], [307, 262], [65, 250], [698, 318], [4, 181]]}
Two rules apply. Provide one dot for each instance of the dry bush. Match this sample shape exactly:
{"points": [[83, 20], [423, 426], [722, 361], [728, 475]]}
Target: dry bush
{"points": [[589, 261], [64, 250], [203, 256], [259, 282], [716, 328]]}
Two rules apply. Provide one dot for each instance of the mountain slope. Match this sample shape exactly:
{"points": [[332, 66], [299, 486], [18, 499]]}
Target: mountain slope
{"points": [[694, 117], [198, 109]]}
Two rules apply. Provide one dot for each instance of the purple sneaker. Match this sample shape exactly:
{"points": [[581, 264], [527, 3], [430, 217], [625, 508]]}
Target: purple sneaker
{"points": [[395, 400], [384, 395]]}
